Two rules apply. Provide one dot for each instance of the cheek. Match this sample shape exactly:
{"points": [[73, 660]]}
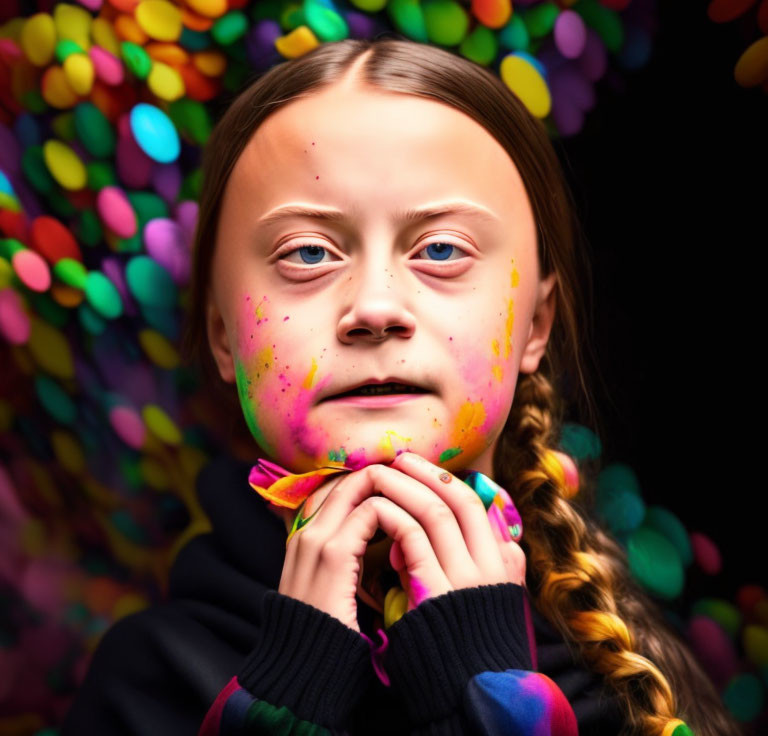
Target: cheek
{"points": [[276, 382], [484, 361]]}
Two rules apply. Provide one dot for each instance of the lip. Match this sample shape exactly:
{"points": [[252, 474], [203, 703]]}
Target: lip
{"points": [[374, 381], [374, 402]]}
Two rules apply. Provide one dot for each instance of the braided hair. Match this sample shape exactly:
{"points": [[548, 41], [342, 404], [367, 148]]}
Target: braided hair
{"points": [[579, 580]]}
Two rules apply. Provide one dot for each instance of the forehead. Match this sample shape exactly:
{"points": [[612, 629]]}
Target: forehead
{"points": [[365, 150]]}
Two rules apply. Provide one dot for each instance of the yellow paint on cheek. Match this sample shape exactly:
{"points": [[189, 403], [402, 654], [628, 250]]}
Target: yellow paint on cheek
{"points": [[259, 311], [309, 380], [497, 369], [264, 360], [389, 447], [508, 331]]}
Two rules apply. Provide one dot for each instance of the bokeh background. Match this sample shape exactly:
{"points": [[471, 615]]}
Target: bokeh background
{"points": [[658, 112]]}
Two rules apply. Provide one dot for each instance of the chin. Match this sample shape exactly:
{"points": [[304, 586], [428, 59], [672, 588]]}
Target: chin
{"points": [[360, 454]]}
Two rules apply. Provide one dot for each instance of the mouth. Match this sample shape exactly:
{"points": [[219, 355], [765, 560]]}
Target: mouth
{"points": [[377, 394], [391, 388]]}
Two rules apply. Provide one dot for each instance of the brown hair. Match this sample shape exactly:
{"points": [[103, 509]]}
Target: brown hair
{"points": [[578, 574]]}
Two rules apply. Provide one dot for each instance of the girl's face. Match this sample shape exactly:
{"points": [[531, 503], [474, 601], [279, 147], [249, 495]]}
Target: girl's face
{"points": [[305, 306]]}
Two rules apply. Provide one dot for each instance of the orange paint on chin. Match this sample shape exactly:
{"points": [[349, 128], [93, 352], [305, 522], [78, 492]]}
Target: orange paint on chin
{"points": [[466, 432]]}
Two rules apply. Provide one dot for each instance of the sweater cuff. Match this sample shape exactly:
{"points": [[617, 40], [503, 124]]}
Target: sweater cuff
{"points": [[437, 647], [307, 661]]}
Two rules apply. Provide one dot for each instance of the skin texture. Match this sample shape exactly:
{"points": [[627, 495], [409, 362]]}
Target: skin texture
{"points": [[371, 299]]}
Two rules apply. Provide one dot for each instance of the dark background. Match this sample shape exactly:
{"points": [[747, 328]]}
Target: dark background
{"points": [[669, 175]]}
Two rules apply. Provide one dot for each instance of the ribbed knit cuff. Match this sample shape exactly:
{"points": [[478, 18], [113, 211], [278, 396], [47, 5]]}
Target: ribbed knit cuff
{"points": [[437, 647], [307, 661]]}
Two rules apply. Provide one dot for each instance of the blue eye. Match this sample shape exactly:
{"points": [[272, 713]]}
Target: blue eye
{"points": [[315, 253], [441, 250], [312, 254]]}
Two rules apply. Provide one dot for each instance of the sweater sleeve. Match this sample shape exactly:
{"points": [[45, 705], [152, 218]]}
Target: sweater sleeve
{"points": [[305, 676], [465, 663]]}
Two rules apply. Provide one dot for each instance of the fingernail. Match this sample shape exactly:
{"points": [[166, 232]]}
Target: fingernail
{"points": [[512, 516], [506, 497], [495, 517]]}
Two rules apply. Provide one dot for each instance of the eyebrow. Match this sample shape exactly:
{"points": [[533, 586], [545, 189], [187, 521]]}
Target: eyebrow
{"points": [[410, 215]]}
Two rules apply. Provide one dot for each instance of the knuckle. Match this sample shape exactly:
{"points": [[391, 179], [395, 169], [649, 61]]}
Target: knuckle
{"points": [[439, 513], [408, 532], [470, 496], [308, 541], [332, 552], [376, 471], [378, 476]]}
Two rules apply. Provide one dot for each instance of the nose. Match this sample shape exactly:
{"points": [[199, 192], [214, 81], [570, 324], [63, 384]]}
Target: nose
{"points": [[377, 310]]}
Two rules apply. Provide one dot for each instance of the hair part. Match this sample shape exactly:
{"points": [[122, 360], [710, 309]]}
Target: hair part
{"points": [[579, 575]]}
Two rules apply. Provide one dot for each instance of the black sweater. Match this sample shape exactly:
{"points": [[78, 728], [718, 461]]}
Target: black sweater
{"points": [[263, 663]]}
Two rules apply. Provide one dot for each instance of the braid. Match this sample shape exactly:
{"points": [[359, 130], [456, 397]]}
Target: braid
{"points": [[580, 581]]}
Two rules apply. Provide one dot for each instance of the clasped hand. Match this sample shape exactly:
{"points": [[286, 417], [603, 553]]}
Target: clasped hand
{"points": [[443, 538]]}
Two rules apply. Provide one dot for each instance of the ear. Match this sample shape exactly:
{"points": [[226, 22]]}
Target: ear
{"points": [[541, 325], [218, 340]]}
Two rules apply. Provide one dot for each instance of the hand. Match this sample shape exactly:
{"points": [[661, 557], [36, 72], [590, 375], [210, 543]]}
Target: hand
{"points": [[323, 562], [429, 521], [467, 545]]}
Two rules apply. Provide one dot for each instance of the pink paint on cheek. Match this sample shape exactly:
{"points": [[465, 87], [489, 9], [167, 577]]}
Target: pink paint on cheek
{"points": [[419, 591], [303, 436], [476, 374]]}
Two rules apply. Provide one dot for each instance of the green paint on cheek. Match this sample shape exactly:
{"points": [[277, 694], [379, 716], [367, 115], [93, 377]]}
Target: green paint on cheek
{"points": [[449, 453], [339, 456], [244, 393]]}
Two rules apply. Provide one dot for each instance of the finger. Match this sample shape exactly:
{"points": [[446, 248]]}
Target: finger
{"points": [[430, 511], [306, 511], [466, 505], [313, 546], [437, 520], [425, 576], [511, 553], [421, 575], [396, 557], [310, 508]]}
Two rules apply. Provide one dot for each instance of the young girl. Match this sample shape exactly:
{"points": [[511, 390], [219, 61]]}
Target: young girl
{"points": [[413, 558]]}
